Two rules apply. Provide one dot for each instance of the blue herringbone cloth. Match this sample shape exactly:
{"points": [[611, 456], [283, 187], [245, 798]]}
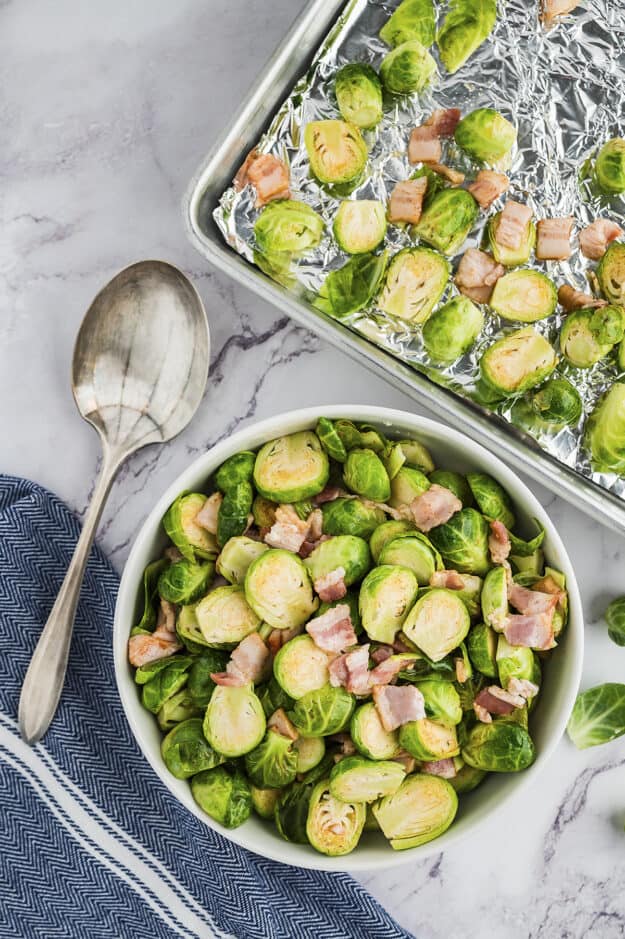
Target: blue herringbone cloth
{"points": [[91, 844]]}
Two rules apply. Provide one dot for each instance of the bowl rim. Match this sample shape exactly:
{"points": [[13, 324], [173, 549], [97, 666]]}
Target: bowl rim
{"points": [[267, 429]]}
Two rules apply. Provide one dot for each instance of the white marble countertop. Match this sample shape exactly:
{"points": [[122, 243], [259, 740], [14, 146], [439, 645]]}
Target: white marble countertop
{"points": [[106, 111]]}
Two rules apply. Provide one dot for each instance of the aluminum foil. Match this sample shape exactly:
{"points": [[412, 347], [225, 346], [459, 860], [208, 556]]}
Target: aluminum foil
{"points": [[564, 89]]}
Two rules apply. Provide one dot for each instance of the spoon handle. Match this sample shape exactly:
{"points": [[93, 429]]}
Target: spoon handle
{"points": [[45, 677]]}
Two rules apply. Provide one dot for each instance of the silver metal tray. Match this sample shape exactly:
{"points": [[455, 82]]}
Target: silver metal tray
{"points": [[289, 62]]}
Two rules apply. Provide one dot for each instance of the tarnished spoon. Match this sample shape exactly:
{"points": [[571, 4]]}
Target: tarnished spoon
{"points": [[138, 375]]}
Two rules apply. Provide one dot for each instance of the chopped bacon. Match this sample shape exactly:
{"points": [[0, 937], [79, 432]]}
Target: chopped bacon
{"points": [[270, 178], [455, 177], [308, 547], [207, 516], [333, 630], [548, 585], [406, 202], [531, 601], [462, 674], [331, 586], [288, 531], [401, 513], [387, 670], [278, 637], [595, 238], [553, 239], [444, 121], [488, 186], [163, 642], [513, 223], [482, 714], [452, 580], [382, 653], [499, 542], [229, 679], [249, 659], [446, 768], [551, 9], [338, 671], [329, 494], [434, 507], [497, 701], [241, 178], [477, 275], [345, 742], [524, 688], [166, 622], [280, 723], [398, 704], [534, 631], [315, 525], [172, 554], [407, 761], [424, 145], [356, 666], [571, 299]]}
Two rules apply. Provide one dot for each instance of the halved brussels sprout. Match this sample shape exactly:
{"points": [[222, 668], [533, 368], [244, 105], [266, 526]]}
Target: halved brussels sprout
{"points": [[415, 281], [516, 662], [238, 468], [150, 597], [351, 517], [288, 225], [463, 542], [291, 468], [346, 551], [452, 329], [524, 296], [437, 623], [611, 273], [414, 551], [386, 595], [605, 435], [264, 801], [301, 666], [495, 598], [348, 433], [510, 257], [589, 335], [291, 812], [492, 499], [610, 166], [500, 747], [273, 763], [360, 225], [385, 533], [407, 69], [482, 648], [359, 95], [412, 19], [357, 779], [485, 135], [310, 752], [278, 589], [185, 581], [394, 459], [407, 485], [517, 362], [456, 483], [467, 778], [417, 455], [232, 519], [322, 712], [336, 150], [615, 619], [177, 708], [330, 440], [554, 406], [188, 629], [447, 219], [237, 556], [225, 617], [277, 265], [190, 538], [333, 827], [467, 24], [442, 701], [234, 722], [186, 751], [370, 737], [422, 809], [165, 682], [365, 473], [224, 794], [428, 740], [353, 286]]}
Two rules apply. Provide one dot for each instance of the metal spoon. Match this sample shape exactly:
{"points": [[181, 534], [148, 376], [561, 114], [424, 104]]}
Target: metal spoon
{"points": [[138, 375]]}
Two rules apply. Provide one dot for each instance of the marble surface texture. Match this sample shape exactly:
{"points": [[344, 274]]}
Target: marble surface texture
{"points": [[106, 109]]}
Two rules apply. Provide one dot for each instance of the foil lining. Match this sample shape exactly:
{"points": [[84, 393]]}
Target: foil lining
{"points": [[563, 88]]}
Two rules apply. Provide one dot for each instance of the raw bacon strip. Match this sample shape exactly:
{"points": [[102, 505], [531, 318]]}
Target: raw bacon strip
{"points": [[534, 631], [288, 531], [398, 704], [353, 672], [477, 275], [488, 186], [551, 9], [338, 671], [333, 630], [513, 224], [280, 723], [443, 121], [229, 679], [531, 601], [571, 299], [207, 516], [241, 178], [446, 769], [406, 202], [449, 579], [435, 507], [595, 238], [497, 701], [553, 240], [499, 542], [331, 586]]}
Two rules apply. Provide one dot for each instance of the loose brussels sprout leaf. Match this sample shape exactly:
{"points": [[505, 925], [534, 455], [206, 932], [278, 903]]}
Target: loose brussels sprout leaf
{"points": [[412, 550], [492, 499], [485, 135], [238, 468], [415, 281], [234, 510], [360, 225], [429, 740], [407, 69], [533, 564], [147, 672], [237, 556], [611, 273], [517, 362], [277, 266], [456, 483], [557, 404], [273, 763], [510, 257], [200, 684], [437, 623], [264, 801], [330, 440], [482, 647], [463, 542], [447, 220], [524, 296], [413, 19], [272, 697], [516, 662], [351, 287], [165, 683], [451, 330], [278, 589], [186, 751], [495, 598], [310, 752], [291, 812], [527, 548], [346, 551], [150, 595], [500, 747], [190, 538], [225, 617], [365, 474], [615, 618], [351, 517], [466, 26], [359, 95], [325, 711], [234, 722], [288, 225], [224, 794], [336, 150], [605, 433], [300, 666], [467, 778], [385, 533], [386, 595], [422, 809], [356, 779], [185, 581], [598, 716], [349, 434], [370, 737], [333, 827], [442, 701], [610, 166], [586, 337], [179, 707], [291, 468], [407, 485], [417, 455], [394, 459]]}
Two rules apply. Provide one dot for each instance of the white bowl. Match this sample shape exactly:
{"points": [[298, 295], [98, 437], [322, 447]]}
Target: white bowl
{"points": [[451, 450]]}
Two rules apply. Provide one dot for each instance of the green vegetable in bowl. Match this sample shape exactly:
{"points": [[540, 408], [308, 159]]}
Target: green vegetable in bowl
{"points": [[232, 519], [494, 598], [330, 439], [360, 225], [264, 801], [237, 556], [415, 281], [492, 499], [346, 551], [437, 623], [310, 752], [357, 779], [150, 595], [166, 682], [359, 95], [288, 226], [336, 150], [486, 135], [185, 581], [510, 257], [238, 468], [605, 432], [181, 527], [224, 794], [482, 648], [351, 517], [186, 751], [225, 617], [333, 827], [273, 763], [516, 662], [200, 685], [300, 666], [598, 716], [387, 532], [517, 362], [322, 712], [416, 454], [408, 484], [500, 747], [456, 483], [365, 473], [278, 589], [611, 273], [272, 697], [234, 722], [429, 740], [386, 595], [407, 69], [447, 219], [610, 166], [353, 286], [524, 296], [463, 542], [412, 19], [452, 329], [177, 708], [412, 551], [291, 468], [615, 618], [467, 24], [422, 809], [442, 701], [369, 736]]}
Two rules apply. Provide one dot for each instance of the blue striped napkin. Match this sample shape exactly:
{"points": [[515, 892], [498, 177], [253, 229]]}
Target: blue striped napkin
{"points": [[91, 843]]}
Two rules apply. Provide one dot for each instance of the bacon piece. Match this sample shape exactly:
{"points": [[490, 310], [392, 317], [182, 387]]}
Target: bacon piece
{"points": [[249, 659], [424, 145], [329, 494], [406, 202], [407, 761], [444, 121], [499, 542], [513, 224], [531, 601], [345, 742], [553, 239], [548, 585], [333, 630], [351, 671], [534, 631], [280, 723], [331, 586], [462, 674], [163, 642], [338, 671], [482, 714], [522, 687], [446, 768], [488, 186], [381, 654], [401, 513], [551, 9], [309, 546], [434, 507], [398, 704], [571, 299], [288, 531], [477, 275], [241, 178], [497, 701], [595, 238], [315, 525], [451, 580], [229, 679], [279, 637], [455, 177], [387, 670], [207, 516], [400, 646], [270, 178]]}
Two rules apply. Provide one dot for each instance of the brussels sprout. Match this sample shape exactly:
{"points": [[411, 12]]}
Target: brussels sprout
{"points": [[288, 225], [422, 809], [188, 630], [554, 406], [407, 485], [272, 697], [447, 219], [516, 662], [510, 257], [372, 439], [482, 647], [325, 711], [611, 273], [589, 335], [517, 362], [333, 827], [413, 551], [615, 618], [437, 623], [273, 763], [370, 737], [291, 812], [610, 166], [386, 595], [495, 598], [527, 548], [485, 135], [186, 751], [150, 595], [605, 434], [452, 329], [467, 24], [356, 779], [234, 722], [200, 684], [492, 499], [415, 281], [291, 468], [348, 433], [407, 69], [412, 19], [532, 564], [467, 778], [310, 752], [385, 533], [330, 440], [224, 794], [463, 542], [264, 512], [524, 296], [336, 150], [185, 581], [500, 747], [236, 557], [190, 538], [359, 95], [456, 483], [177, 708], [346, 551], [278, 589], [417, 456], [165, 683], [225, 617], [365, 474], [301, 666], [429, 740], [232, 519], [351, 599], [394, 459], [147, 672], [264, 801], [351, 517], [238, 468], [351, 287], [442, 701], [598, 716], [360, 226], [277, 265]]}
